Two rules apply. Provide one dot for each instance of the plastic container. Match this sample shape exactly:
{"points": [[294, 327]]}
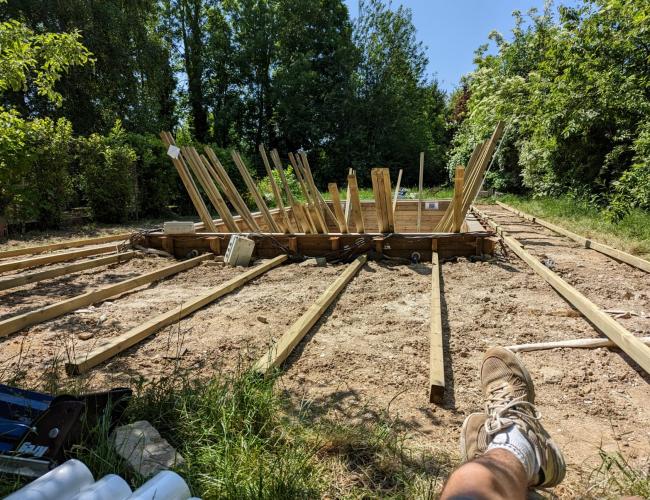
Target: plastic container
{"points": [[110, 487], [165, 485], [64, 481]]}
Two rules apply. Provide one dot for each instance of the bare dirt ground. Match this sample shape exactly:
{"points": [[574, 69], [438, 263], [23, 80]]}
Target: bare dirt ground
{"points": [[368, 355]]}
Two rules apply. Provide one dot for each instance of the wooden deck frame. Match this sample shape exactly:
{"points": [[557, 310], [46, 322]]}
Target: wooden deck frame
{"points": [[16, 323], [26, 279], [84, 362], [619, 255], [631, 345], [53, 258], [65, 244], [281, 350]]}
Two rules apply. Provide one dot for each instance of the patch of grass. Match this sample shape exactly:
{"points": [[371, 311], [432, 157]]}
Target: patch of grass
{"points": [[631, 234], [615, 477], [434, 193]]}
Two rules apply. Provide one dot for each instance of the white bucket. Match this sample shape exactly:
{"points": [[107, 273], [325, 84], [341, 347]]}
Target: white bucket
{"points": [[63, 481], [110, 487], [165, 485]]}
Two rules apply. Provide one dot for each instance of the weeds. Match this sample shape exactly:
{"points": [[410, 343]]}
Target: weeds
{"points": [[615, 477]]}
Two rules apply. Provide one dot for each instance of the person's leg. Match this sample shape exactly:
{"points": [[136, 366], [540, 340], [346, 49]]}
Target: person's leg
{"points": [[506, 448], [494, 476]]}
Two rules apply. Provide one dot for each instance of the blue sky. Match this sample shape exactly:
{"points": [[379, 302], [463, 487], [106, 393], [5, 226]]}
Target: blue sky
{"points": [[453, 29]]}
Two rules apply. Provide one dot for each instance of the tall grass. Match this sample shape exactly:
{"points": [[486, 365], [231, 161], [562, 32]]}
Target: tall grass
{"points": [[631, 234]]}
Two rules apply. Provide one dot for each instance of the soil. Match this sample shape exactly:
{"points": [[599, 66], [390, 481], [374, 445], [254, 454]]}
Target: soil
{"points": [[367, 357]]}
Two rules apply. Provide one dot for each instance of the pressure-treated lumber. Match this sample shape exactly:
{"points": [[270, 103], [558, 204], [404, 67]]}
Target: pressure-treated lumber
{"points": [[387, 195], [53, 258], [314, 221], [65, 244], [420, 191], [630, 344], [286, 223], [26, 279], [189, 184], [399, 181], [252, 188], [11, 325], [347, 200], [336, 203], [292, 337], [83, 363], [378, 193], [297, 208], [573, 343], [436, 351], [586, 242], [459, 215], [320, 200], [355, 202], [232, 192], [318, 214]]}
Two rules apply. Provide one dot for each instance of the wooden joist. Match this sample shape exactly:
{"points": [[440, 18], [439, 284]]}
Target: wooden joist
{"points": [[619, 255], [355, 203], [84, 362], [569, 344], [381, 190], [421, 180], [311, 194], [459, 215], [319, 196], [399, 181], [65, 244], [436, 351], [53, 258], [26, 279], [297, 209], [336, 203], [623, 338], [347, 200], [292, 337], [15, 323], [188, 182], [286, 223]]}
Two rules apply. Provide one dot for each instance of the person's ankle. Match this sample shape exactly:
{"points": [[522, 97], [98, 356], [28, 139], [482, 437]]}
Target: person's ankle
{"points": [[511, 439]]}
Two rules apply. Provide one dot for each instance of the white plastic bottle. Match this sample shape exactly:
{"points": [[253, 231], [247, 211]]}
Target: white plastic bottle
{"points": [[64, 481], [110, 487], [165, 485]]}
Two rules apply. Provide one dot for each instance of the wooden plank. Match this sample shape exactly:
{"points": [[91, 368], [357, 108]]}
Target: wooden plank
{"points": [[236, 199], [573, 344], [252, 188], [619, 255], [378, 193], [15, 323], [314, 223], [189, 184], [296, 208], [355, 202], [397, 186], [53, 258], [387, 194], [347, 200], [292, 337], [459, 215], [436, 351], [26, 279], [318, 214], [420, 191], [631, 345], [65, 244], [336, 203], [82, 363], [286, 223], [319, 196]]}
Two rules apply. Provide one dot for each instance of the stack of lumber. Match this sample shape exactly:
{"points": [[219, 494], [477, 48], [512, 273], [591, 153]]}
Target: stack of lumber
{"points": [[468, 182]]}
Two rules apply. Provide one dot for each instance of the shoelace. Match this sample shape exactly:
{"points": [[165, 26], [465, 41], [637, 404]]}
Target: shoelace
{"points": [[502, 408]]}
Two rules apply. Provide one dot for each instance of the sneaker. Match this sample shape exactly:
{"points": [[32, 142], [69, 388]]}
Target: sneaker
{"points": [[473, 437], [510, 400]]}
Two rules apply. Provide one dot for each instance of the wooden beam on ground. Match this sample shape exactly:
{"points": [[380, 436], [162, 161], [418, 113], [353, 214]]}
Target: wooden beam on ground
{"points": [[53, 258], [26, 279], [355, 203], [15, 323], [569, 344], [399, 181], [292, 337], [459, 215], [336, 203], [630, 344], [235, 198], [436, 351], [286, 223], [619, 255], [252, 188], [189, 184], [82, 363], [420, 191], [65, 244]]}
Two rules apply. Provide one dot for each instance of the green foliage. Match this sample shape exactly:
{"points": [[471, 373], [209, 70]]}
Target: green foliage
{"points": [[575, 95], [34, 162], [265, 186], [106, 164]]}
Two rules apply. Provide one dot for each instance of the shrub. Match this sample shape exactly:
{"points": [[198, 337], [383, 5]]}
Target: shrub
{"points": [[106, 164], [265, 186]]}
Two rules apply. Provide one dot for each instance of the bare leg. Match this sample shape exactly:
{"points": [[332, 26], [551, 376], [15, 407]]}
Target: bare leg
{"points": [[494, 476]]}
